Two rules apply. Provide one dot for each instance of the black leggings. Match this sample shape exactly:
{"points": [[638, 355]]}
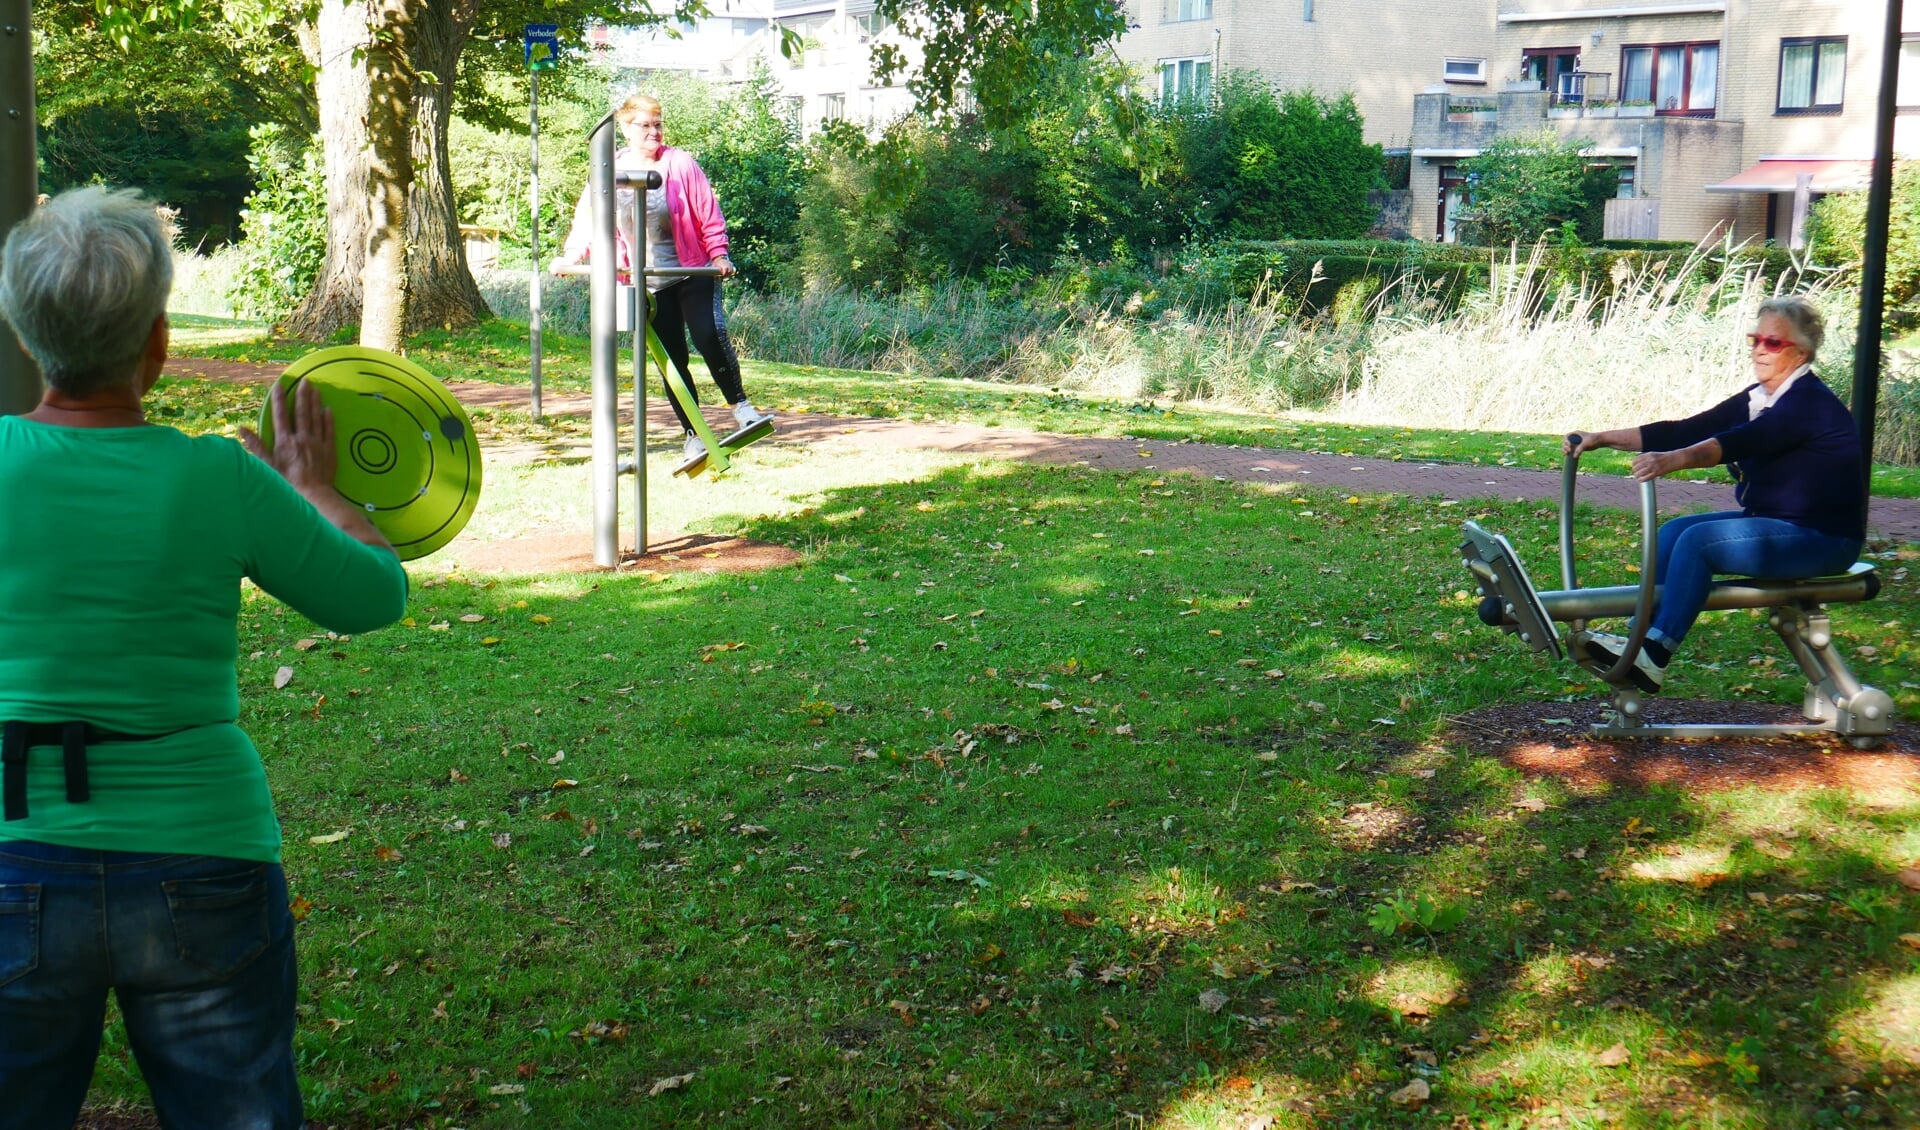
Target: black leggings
{"points": [[692, 306]]}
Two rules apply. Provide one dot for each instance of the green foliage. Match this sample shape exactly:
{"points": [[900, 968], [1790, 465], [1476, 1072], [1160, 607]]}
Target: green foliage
{"points": [[1521, 186], [284, 224], [754, 158], [1836, 237], [1296, 163], [994, 55], [1420, 912]]}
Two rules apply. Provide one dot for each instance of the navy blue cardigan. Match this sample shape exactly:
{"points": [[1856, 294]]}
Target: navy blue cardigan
{"points": [[1800, 460]]}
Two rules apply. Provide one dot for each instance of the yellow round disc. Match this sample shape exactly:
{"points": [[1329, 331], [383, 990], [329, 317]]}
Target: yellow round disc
{"points": [[408, 454]]}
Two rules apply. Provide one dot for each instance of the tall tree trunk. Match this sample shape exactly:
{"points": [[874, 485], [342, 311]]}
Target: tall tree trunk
{"points": [[444, 295], [440, 289], [383, 276], [335, 45]]}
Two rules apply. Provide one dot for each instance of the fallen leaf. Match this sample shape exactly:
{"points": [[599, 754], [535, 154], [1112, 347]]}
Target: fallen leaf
{"points": [[385, 854], [472, 618], [1911, 941], [1531, 804], [1213, 1000], [503, 840], [329, 838], [305, 645], [1076, 918], [1909, 877], [282, 677], [507, 1089], [670, 1083], [903, 1010], [1615, 1056], [1413, 1096], [301, 907], [454, 776], [540, 619], [1770, 848]]}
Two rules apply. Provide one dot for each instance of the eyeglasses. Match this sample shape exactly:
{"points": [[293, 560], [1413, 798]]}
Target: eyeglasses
{"points": [[1768, 343]]}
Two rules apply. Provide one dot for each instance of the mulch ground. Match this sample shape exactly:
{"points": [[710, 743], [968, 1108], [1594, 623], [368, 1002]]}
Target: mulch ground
{"points": [[1551, 740]]}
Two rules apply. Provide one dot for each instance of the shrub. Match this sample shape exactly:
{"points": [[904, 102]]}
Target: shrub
{"points": [[1297, 164], [1520, 187], [284, 224]]}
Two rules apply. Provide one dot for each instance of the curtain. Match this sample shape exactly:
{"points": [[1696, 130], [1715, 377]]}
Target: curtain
{"points": [[1705, 79], [1832, 73], [1796, 75], [1637, 86], [1668, 86]]}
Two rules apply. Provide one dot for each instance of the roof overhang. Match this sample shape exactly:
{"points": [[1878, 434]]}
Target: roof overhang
{"points": [[1590, 151], [1783, 175], [1710, 8]]}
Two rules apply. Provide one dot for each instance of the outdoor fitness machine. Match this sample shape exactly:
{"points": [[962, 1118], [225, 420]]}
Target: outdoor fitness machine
{"points": [[604, 325], [1835, 701]]}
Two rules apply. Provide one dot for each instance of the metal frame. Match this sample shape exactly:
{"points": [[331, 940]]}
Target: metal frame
{"points": [[604, 354], [1834, 700]]}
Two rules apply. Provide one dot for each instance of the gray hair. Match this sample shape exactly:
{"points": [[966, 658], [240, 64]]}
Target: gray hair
{"points": [[82, 280], [1805, 326]]}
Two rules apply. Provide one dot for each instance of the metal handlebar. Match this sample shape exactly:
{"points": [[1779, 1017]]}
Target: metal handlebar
{"points": [[1649, 559]]}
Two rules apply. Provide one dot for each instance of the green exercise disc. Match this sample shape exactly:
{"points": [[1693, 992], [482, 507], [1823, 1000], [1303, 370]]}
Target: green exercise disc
{"points": [[408, 454]]}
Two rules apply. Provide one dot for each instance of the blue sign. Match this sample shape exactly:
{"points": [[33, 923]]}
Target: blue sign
{"points": [[543, 46]]}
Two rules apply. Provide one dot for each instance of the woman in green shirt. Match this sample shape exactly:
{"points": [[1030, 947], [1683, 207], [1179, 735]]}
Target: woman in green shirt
{"points": [[139, 853]]}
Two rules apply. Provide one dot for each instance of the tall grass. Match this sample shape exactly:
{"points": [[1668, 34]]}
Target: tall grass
{"points": [[1527, 357], [203, 282]]}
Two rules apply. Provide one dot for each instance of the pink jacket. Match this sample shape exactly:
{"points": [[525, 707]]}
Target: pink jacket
{"points": [[699, 230]]}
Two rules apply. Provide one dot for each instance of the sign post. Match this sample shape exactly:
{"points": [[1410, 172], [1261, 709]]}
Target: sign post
{"points": [[542, 54]]}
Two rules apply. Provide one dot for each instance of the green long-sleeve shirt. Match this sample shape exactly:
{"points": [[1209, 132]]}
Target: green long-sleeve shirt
{"points": [[121, 555]]}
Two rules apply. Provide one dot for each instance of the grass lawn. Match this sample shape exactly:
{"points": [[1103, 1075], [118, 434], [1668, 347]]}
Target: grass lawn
{"points": [[1045, 796], [498, 352]]}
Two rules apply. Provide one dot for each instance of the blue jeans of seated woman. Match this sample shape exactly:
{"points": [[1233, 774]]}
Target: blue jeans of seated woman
{"points": [[1694, 548], [198, 950]]}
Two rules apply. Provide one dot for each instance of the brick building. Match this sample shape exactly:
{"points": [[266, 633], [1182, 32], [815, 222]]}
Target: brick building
{"points": [[1723, 116]]}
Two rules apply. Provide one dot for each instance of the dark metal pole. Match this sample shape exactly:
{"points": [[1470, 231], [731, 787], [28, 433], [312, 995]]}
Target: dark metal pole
{"points": [[604, 351], [19, 184], [533, 206], [1873, 264]]}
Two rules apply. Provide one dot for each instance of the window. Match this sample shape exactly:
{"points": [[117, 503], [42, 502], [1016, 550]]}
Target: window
{"points": [[1189, 10], [1678, 78], [833, 107], [1552, 67], [1907, 89], [1813, 74], [871, 23], [1306, 10], [1464, 70], [1181, 79]]}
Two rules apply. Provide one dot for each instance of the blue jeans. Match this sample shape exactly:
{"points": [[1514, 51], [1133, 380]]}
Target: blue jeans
{"points": [[197, 949], [1692, 549]]}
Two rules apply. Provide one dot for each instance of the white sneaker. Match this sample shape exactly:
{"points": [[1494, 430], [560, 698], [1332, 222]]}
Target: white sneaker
{"points": [[746, 415], [694, 454], [1606, 648]]}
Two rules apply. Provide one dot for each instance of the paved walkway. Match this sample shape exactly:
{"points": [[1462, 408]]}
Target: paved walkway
{"points": [[1897, 519]]}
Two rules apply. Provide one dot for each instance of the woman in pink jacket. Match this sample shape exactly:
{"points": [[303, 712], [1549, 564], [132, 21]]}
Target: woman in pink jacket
{"points": [[687, 230]]}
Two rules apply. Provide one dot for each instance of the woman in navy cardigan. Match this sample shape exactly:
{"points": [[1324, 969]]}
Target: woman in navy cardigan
{"points": [[1799, 479]]}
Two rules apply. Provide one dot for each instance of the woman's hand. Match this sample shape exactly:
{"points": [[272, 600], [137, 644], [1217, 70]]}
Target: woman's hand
{"points": [[303, 447], [1653, 464], [1579, 443], [725, 266]]}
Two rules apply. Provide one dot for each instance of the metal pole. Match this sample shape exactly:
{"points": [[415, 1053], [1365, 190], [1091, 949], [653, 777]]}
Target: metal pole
{"points": [[604, 351], [533, 201], [19, 184], [1873, 265], [641, 314]]}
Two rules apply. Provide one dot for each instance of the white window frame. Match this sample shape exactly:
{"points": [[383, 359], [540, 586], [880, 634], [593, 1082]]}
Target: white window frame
{"points": [[833, 107], [1171, 87], [1184, 11], [1454, 68]]}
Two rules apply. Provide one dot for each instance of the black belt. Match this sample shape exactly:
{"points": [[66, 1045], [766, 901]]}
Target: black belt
{"points": [[73, 738]]}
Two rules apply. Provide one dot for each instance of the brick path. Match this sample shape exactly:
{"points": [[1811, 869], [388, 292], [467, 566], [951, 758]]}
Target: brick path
{"points": [[1897, 519]]}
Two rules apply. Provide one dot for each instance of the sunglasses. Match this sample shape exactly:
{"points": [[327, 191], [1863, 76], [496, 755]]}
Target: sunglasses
{"points": [[1768, 343]]}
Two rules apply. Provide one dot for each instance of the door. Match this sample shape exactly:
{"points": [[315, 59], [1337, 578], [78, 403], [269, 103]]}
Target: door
{"points": [[1546, 65]]}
